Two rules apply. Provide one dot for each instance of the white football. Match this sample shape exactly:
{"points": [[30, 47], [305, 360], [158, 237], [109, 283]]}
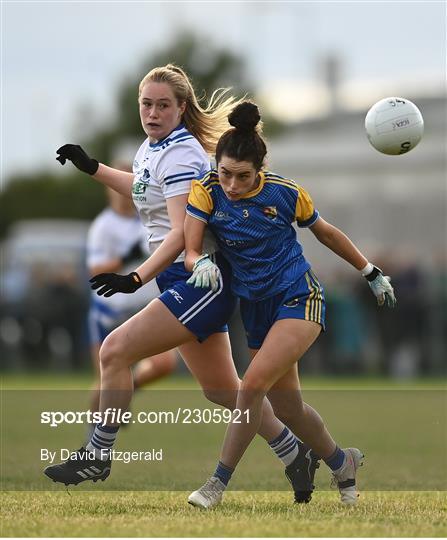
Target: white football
{"points": [[394, 125]]}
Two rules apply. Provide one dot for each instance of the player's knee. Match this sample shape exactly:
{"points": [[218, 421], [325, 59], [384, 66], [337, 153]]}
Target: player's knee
{"points": [[254, 383], [225, 398], [111, 354]]}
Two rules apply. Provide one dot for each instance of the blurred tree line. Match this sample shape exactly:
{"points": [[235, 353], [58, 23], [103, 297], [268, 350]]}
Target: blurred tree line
{"points": [[46, 195]]}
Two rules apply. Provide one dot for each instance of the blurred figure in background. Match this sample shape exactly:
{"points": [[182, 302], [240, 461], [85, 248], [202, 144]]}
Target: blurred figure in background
{"points": [[116, 243]]}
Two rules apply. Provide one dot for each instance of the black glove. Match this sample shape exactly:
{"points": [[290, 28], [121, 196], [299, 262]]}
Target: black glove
{"points": [[134, 253], [113, 283], [78, 157]]}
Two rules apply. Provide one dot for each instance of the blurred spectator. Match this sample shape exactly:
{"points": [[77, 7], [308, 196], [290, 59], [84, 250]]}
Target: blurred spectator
{"points": [[54, 331], [347, 331]]}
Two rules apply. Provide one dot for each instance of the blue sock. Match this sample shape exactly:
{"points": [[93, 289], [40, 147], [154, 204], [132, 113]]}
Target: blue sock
{"points": [[223, 472], [335, 461]]}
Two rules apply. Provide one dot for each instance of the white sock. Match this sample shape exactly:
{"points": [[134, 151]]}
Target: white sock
{"points": [[285, 446], [102, 441]]}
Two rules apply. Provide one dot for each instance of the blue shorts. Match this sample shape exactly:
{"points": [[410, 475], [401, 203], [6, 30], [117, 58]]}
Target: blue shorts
{"points": [[103, 319], [304, 299], [202, 311]]}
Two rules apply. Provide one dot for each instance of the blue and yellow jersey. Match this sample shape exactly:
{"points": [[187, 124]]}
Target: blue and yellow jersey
{"points": [[255, 232]]}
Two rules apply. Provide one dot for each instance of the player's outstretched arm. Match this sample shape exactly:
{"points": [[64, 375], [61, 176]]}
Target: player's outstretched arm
{"points": [[339, 243], [120, 181]]}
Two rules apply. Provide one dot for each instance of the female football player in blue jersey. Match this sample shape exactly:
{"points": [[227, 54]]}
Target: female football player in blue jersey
{"points": [[251, 211], [179, 135]]}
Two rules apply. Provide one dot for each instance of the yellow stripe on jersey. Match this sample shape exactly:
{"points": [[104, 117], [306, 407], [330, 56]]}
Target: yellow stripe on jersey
{"points": [[209, 179], [200, 198], [314, 301], [281, 183], [304, 205], [270, 177]]}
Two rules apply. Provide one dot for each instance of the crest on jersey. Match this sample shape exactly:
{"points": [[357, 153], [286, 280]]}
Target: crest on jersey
{"points": [[270, 212]]}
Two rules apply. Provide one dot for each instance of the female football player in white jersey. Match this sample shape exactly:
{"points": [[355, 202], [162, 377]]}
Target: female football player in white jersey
{"points": [[116, 242], [179, 135], [282, 303]]}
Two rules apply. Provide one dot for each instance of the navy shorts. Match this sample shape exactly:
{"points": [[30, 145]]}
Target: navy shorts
{"points": [[304, 299], [202, 311], [103, 319]]}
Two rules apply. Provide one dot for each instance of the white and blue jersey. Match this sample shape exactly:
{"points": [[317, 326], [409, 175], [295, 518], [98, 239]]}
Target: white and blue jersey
{"points": [[110, 237], [162, 170]]}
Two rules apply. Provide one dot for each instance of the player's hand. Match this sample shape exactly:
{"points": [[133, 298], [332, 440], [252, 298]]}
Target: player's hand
{"points": [[381, 287], [113, 283], [205, 274], [79, 158], [134, 253]]}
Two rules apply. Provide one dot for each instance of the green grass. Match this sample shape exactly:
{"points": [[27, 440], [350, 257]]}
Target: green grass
{"points": [[83, 380], [401, 427], [247, 514]]}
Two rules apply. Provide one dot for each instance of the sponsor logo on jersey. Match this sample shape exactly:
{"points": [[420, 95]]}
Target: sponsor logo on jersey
{"points": [[270, 212], [232, 243], [139, 188]]}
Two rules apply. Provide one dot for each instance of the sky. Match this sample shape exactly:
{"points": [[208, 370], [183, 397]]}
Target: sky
{"points": [[59, 56]]}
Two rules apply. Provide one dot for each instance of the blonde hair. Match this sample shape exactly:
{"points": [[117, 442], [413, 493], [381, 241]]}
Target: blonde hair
{"points": [[206, 124]]}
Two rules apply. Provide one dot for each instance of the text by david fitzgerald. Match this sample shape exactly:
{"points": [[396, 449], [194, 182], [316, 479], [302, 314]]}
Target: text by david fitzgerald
{"points": [[126, 456]]}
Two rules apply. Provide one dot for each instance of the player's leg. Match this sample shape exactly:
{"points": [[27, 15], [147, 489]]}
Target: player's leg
{"points": [[285, 342], [151, 369], [301, 471], [151, 331], [94, 397], [100, 323], [212, 365], [143, 372], [286, 399], [305, 421]]}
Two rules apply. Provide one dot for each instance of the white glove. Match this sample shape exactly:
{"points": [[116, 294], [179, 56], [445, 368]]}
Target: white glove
{"points": [[205, 274], [381, 287]]}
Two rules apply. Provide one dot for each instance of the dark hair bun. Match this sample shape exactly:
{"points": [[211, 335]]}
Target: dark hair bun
{"points": [[245, 116]]}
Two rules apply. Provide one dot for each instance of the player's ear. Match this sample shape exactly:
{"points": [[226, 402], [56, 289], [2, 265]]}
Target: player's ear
{"points": [[182, 107]]}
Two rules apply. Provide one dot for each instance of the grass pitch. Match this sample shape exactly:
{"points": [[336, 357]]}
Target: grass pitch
{"points": [[242, 514], [395, 458]]}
